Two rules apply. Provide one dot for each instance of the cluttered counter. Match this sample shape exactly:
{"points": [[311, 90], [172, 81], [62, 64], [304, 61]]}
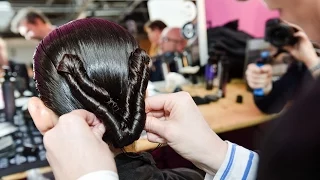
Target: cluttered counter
{"points": [[225, 115]]}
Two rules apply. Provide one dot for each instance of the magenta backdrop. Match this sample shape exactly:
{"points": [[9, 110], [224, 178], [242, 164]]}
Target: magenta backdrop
{"points": [[252, 14]]}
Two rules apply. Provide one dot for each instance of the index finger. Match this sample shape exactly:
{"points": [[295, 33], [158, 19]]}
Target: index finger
{"points": [[157, 102]]}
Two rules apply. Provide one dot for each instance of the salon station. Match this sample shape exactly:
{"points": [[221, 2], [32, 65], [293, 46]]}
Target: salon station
{"points": [[202, 47]]}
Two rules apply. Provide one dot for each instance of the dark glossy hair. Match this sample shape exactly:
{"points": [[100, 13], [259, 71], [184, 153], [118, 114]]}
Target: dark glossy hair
{"points": [[157, 24], [96, 65]]}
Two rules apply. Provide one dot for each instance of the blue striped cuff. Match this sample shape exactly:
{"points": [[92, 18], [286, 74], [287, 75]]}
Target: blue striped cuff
{"points": [[239, 163]]}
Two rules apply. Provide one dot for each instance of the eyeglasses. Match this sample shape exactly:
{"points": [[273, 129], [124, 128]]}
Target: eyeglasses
{"points": [[166, 39]]}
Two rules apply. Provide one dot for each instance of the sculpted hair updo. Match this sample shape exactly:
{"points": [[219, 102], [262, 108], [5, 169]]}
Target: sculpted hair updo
{"points": [[96, 65]]}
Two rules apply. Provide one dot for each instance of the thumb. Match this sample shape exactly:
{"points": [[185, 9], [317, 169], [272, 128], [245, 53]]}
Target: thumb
{"points": [[98, 130], [155, 126]]}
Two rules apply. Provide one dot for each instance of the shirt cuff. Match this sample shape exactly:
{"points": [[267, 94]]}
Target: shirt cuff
{"points": [[240, 163], [100, 175]]}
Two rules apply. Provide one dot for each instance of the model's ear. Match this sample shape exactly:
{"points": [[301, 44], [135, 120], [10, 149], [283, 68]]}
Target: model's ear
{"points": [[43, 117]]}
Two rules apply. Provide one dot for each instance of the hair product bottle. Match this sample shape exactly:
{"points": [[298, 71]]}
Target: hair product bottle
{"points": [[8, 95]]}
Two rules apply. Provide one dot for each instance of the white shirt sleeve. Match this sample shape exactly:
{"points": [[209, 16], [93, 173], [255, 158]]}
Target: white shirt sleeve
{"points": [[240, 163], [100, 175]]}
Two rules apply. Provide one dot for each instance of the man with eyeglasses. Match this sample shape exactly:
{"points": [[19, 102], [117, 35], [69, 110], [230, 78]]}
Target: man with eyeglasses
{"points": [[172, 40], [171, 43]]}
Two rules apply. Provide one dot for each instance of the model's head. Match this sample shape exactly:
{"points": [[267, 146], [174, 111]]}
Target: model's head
{"points": [[96, 65]]}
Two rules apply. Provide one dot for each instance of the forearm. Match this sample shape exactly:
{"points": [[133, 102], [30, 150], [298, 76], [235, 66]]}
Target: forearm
{"points": [[239, 163], [212, 155]]}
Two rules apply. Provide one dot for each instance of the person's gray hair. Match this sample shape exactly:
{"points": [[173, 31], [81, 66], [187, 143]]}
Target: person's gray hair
{"points": [[172, 29], [29, 14]]}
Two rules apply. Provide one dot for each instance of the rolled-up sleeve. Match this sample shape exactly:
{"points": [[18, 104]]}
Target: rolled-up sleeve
{"points": [[100, 175], [240, 163]]}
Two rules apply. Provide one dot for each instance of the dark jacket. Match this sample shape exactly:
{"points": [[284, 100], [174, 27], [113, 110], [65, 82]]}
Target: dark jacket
{"points": [[20, 72], [156, 72], [168, 58], [284, 89], [133, 166], [291, 149]]}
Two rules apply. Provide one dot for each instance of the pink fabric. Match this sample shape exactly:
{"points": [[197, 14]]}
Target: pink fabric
{"points": [[252, 14]]}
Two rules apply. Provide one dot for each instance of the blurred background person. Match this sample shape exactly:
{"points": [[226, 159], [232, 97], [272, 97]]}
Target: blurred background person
{"points": [[302, 70], [292, 142], [17, 70], [303, 16], [31, 24], [172, 40], [171, 43], [154, 30]]}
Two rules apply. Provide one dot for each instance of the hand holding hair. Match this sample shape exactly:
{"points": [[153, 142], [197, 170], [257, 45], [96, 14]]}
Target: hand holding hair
{"points": [[175, 119], [68, 138]]}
